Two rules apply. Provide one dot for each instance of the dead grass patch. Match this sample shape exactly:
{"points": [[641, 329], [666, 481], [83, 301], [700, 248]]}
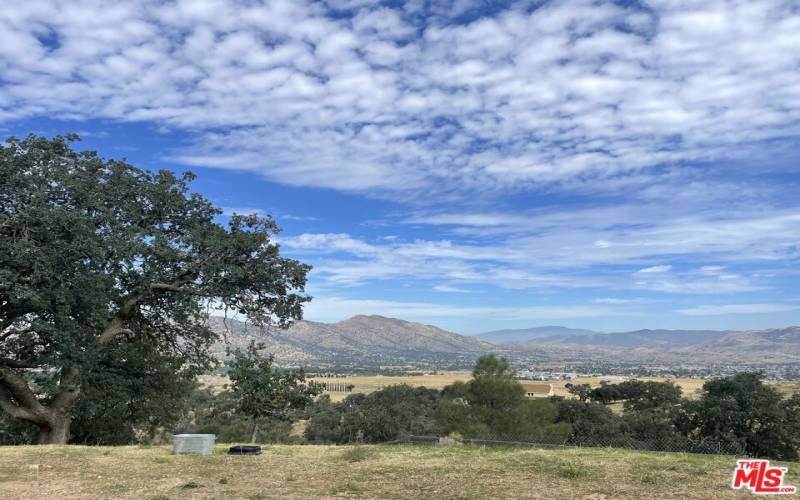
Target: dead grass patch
{"points": [[390, 471]]}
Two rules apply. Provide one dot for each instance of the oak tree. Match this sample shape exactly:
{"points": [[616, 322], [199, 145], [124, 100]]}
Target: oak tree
{"points": [[97, 255]]}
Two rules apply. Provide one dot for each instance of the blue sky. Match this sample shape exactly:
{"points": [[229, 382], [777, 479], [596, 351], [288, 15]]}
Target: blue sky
{"points": [[470, 164]]}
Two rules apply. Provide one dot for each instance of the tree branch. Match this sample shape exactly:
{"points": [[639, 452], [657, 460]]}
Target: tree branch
{"points": [[15, 363], [167, 286], [20, 391], [116, 325], [8, 406], [69, 389]]}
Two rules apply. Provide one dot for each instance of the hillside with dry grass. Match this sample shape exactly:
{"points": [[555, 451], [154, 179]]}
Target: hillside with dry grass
{"points": [[387, 471]]}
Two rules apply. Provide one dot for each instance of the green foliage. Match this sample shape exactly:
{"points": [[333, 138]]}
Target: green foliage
{"points": [[97, 254], [261, 390], [638, 395], [15, 431], [385, 415], [581, 391], [324, 425], [737, 414], [742, 410], [493, 368], [132, 395], [588, 420], [493, 405], [207, 412]]}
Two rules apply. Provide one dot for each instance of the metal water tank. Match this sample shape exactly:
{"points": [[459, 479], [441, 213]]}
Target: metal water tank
{"points": [[202, 444]]}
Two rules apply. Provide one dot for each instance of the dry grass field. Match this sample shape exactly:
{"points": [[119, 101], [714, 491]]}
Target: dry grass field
{"points": [[367, 384], [788, 388], [387, 471], [370, 383]]}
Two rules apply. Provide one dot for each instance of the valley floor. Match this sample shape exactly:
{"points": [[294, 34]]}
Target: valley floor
{"points": [[386, 471]]}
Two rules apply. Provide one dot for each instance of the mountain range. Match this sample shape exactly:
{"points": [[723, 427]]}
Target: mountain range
{"points": [[370, 340], [380, 341]]}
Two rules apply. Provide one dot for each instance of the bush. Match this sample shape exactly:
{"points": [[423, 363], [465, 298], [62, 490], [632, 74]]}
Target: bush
{"points": [[385, 415], [208, 412]]}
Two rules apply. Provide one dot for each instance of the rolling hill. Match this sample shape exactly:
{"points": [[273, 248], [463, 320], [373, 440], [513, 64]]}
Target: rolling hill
{"points": [[372, 341]]}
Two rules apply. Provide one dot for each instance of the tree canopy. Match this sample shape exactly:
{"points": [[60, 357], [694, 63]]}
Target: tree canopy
{"points": [[97, 254], [493, 405], [743, 411], [260, 389]]}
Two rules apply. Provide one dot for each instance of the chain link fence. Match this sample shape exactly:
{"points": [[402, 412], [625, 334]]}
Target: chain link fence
{"points": [[704, 447]]}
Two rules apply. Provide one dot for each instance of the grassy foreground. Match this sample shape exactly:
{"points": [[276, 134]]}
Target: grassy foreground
{"points": [[387, 471]]}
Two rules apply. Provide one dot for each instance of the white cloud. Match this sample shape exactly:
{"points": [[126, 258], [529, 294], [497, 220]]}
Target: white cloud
{"points": [[338, 308], [450, 289], [719, 310], [570, 93], [618, 301], [329, 243], [663, 105], [555, 248], [655, 269]]}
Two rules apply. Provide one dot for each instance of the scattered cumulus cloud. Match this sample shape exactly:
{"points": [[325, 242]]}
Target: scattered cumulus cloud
{"points": [[357, 96], [622, 146]]}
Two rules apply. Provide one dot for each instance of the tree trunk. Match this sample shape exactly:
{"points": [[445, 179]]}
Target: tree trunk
{"points": [[59, 417], [18, 400], [56, 431], [254, 435]]}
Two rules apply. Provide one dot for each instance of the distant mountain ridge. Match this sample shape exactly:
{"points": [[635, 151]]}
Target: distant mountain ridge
{"points": [[769, 345], [501, 337], [638, 338], [363, 341], [369, 339]]}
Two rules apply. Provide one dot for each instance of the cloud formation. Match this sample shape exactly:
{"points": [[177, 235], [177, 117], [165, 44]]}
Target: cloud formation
{"points": [[337, 308], [587, 147], [719, 310], [361, 97]]}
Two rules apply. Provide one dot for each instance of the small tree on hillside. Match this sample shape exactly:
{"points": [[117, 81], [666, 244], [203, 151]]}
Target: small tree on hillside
{"points": [[96, 255], [493, 405], [263, 390]]}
